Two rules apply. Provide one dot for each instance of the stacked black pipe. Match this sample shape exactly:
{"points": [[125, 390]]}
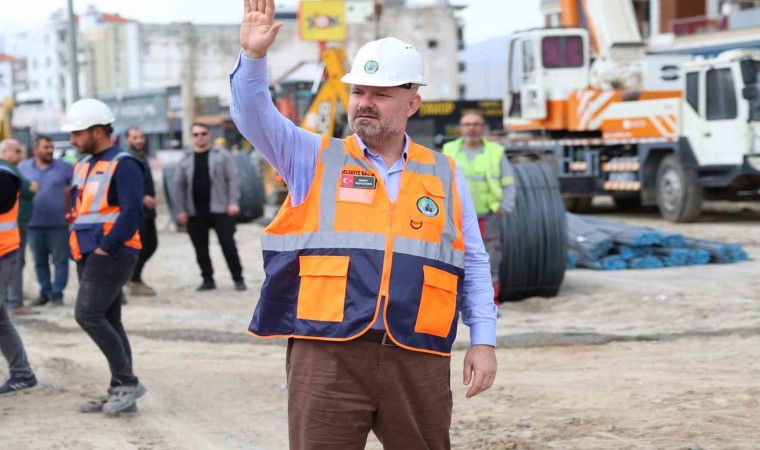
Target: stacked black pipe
{"points": [[534, 237]]}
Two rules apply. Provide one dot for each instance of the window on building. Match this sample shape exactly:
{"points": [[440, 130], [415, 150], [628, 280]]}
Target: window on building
{"points": [[692, 90], [560, 52], [721, 95], [462, 91], [462, 66], [433, 43]]}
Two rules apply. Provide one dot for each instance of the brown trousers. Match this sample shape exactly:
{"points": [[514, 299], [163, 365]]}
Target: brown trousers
{"points": [[339, 391]]}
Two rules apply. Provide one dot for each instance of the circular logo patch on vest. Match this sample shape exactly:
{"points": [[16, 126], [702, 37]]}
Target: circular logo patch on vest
{"points": [[371, 67], [427, 206]]}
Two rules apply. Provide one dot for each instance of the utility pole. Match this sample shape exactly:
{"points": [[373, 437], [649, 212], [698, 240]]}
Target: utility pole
{"points": [[187, 85], [73, 62]]}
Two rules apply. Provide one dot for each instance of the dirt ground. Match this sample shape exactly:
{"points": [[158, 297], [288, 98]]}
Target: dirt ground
{"points": [[658, 359]]}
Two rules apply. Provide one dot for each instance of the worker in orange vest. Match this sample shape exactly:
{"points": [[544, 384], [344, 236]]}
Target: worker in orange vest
{"points": [[371, 259], [107, 199], [11, 345]]}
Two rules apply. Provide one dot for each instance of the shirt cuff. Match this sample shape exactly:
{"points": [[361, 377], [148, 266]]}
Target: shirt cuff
{"points": [[249, 68], [483, 333]]}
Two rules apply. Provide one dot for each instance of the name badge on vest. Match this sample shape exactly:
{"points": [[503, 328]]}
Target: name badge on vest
{"points": [[357, 186]]}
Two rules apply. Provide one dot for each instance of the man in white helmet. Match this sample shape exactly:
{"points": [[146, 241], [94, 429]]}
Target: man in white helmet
{"points": [[371, 259], [107, 210]]}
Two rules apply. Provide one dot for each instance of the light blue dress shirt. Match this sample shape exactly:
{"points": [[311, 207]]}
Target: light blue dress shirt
{"points": [[293, 152]]}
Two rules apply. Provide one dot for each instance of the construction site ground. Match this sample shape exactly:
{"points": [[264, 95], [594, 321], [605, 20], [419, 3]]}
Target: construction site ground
{"points": [[648, 359]]}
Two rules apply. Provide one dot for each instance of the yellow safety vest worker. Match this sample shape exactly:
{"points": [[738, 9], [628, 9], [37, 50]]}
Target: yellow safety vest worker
{"points": [[483, 174]]}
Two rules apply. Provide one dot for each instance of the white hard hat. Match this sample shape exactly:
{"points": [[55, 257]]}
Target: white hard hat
{"points": [[386, 62], [86, 113]]}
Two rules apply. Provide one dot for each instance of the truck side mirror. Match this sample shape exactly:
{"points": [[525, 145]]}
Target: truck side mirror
{"points": [[749, 71], [749, 92]]}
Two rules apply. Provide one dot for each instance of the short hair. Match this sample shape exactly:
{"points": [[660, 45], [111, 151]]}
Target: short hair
{"points": [[107, 129], [133, 128], [198, 124], [473, 112], [41, 137]]}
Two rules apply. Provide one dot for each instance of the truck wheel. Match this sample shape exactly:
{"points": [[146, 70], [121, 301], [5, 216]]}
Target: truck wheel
{"points": [[627, 201], [251, 190], [578, 205], [678, 197]]}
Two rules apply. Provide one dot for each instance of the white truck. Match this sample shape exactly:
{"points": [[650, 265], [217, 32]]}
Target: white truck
{"points": [[664, 130]]}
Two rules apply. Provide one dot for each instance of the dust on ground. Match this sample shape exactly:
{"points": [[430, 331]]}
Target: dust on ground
{"points": [[649, 359]]}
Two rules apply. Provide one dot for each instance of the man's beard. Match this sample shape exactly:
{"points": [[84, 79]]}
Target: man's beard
{"points": [[370, 132], [88, 147], [47, 158]]}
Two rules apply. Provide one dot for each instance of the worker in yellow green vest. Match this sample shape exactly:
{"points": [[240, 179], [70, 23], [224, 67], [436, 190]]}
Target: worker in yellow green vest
{"points": [[491, 181]]}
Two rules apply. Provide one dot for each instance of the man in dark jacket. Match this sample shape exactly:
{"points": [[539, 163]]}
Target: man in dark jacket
{"points": [[136, 146], [11, 346]]}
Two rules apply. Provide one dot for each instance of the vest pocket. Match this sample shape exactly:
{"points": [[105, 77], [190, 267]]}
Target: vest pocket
{"points": [[438, 303], [322, 294]]}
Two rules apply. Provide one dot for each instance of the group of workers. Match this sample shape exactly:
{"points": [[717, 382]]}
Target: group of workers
{"points": [[369, 264]]}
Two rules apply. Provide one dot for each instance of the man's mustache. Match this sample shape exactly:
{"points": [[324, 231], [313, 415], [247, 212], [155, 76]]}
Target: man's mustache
{"points": [[367, 112]]}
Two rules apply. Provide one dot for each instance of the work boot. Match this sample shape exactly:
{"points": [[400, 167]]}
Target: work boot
{"points": [[23, 310], [39, 301], [139, 288], [206, 286], [15, 384], [122, 398]]}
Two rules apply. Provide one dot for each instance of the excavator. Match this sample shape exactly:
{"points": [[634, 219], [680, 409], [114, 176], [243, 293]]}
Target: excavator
{"points": [[655, 130], [326, 114]]}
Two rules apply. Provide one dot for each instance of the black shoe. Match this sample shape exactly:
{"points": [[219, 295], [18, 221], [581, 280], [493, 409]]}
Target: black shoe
{"points": [[39, 301], [17, 384], [240, 285], [207, 286], [56, 301]]}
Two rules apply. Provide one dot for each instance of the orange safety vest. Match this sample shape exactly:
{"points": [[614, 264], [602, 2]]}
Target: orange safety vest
{"points": [[10, 239], [93, 217], [332, 261]]}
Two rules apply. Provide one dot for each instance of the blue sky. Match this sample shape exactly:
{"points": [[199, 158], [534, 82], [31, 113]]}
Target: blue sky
{"points": [[483, 18]]}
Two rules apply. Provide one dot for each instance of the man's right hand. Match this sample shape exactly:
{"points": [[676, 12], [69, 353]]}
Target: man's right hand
{"points": [[182, 218], [258, 29]]}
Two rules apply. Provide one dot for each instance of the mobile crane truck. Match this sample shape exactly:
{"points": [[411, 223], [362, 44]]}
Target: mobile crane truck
{"points": [[664, 130]]}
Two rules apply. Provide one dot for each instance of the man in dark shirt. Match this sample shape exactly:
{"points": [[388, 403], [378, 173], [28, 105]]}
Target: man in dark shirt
{"points": [[207, 190], [11, 345], [137, 147], [107, 194], [11, 155]]}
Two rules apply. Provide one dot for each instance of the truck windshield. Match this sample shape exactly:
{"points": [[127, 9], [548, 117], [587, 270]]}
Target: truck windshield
{"points": [[754, 104]]}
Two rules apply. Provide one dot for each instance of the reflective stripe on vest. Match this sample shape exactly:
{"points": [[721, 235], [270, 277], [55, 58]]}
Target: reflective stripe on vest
{"points": [[94, 203], [10, 239], [93, 216], [331, 260]]}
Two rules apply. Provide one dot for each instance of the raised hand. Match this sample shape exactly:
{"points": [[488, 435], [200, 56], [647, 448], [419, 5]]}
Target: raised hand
{"points": [[258, 29]]}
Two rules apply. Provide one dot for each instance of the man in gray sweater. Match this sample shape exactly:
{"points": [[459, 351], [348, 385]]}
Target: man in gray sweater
{"points": [[207, 189]]}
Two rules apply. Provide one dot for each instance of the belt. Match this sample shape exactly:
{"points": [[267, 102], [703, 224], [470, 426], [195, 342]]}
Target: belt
{"points": [[377, 336]]}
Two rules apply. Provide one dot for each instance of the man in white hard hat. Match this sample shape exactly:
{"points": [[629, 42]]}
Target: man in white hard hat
{"points": [[371, 259], [107, 202]]}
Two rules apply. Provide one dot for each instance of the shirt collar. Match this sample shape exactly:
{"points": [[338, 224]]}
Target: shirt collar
{"points": [[368, 152]]}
